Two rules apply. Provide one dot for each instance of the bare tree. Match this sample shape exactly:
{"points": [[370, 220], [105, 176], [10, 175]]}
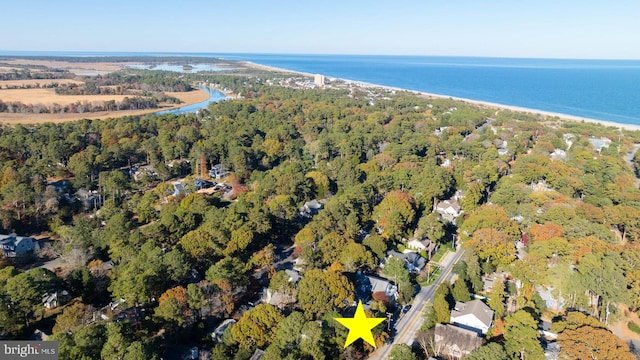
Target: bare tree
{"points": [[76, 258], [426, 340], [454, 342]]}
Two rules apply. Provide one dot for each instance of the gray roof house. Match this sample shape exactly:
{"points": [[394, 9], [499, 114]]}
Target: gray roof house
{"points": [[216, 334], [144, 171], [489, 280], [310, 208], [414, 262], [473, 315], [257, 355], [13, 245], [278, 298], [178, 188], [55, 299], [369, 284], [88, 199], [452, 342], [218, 171], [294, 276], [553, 302], [600, 143], [558, 155]]}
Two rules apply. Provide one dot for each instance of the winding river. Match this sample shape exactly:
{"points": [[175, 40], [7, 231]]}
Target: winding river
{"points": [[214, 96]]}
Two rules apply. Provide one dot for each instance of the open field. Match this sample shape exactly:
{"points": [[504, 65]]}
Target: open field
{"points": [[189, 97], [33, 82], [6, 69], [49, 96], [98, 66]]}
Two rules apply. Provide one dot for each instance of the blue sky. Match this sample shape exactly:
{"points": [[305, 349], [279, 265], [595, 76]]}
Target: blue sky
{"points": [[500, 28]]}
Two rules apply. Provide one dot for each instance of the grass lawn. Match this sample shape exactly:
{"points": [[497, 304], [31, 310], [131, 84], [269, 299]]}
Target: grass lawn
{"points": [[633, 327], [430, 280], [442, 250]]}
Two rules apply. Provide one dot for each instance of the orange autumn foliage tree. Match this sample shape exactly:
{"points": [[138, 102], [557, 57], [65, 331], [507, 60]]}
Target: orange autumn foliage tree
{"points": [[173, 306], [492, 245], [546, 231], [584, 337], [179, 293]]}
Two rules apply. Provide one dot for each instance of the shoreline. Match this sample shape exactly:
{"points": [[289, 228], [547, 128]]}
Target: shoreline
{"points": [[549, 114], [277, 69]]}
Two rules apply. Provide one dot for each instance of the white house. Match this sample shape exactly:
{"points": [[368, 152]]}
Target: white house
{"points": [[13, 245], [310, 208], [558, 155], [299, 264], [449, 209], [420, 245], [218, 171], [57, 298], [600, 143], [473, 315]]}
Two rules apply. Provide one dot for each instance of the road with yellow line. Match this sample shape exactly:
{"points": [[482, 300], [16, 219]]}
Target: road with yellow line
{"points": [[407, 327]]}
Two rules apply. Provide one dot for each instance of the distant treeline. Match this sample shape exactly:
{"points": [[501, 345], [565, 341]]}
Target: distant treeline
{"points": [[31, 86], [126, 83], [128, 103], [146, 59], [25, 74]]}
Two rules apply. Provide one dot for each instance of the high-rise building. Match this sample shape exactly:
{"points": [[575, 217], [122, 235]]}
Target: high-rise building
{"points": [[319, 80]]}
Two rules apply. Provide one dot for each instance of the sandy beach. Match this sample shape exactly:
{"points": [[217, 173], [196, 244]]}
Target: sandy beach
{"points": [[275, 69], [550, 115], [562, 117]]}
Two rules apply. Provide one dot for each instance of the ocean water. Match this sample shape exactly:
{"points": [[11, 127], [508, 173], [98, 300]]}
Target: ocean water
{"points": [[597, 89]]}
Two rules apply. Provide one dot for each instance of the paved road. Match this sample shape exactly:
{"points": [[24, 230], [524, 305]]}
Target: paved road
{"points": [[408, 325], [628, 157]]}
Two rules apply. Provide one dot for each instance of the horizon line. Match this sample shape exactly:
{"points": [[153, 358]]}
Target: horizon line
{"points": [[212, 54]]}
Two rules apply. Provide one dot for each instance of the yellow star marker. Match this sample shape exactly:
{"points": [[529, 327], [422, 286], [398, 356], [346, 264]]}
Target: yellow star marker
{"points": [[360, 326]]}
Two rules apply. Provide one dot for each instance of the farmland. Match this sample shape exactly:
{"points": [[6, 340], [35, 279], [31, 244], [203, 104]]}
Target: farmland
{"points": [[187, 97], [36, 91], [31, 83]]}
